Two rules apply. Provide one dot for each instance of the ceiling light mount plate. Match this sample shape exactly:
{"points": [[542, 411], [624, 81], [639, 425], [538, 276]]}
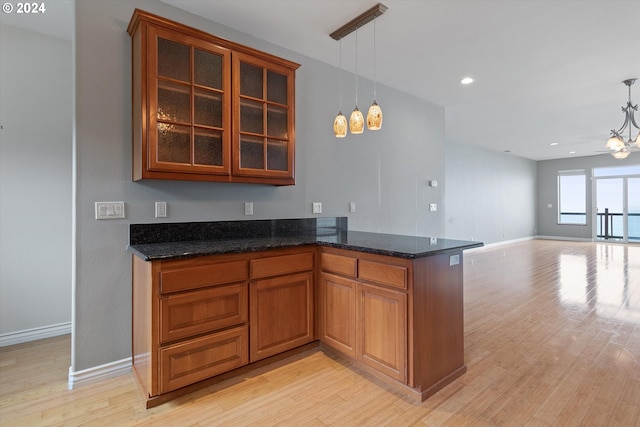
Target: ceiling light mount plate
{"points": [[359, 21]]}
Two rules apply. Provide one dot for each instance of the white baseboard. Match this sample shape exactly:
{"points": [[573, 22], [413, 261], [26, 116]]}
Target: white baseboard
{"points": [[570, 239], [98, 373], [501, 243], [19, 337]]}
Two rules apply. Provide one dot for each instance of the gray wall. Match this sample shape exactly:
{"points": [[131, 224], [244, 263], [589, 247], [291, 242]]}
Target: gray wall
{"points": [[490, 196], [548, 193], [384, 172], [35, 180]]}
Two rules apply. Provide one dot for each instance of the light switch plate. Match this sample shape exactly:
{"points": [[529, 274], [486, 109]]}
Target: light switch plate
{"points": [[433, 207], [352, 207], [161, 209], [316, 207], [109, 210], [454, 260]]}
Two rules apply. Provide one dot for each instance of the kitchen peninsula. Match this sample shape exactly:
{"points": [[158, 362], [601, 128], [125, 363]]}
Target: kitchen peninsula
{"points": [[212, 300]]}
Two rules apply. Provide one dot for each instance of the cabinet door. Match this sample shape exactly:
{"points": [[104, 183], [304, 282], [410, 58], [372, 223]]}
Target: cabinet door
{"points": [[189, 93], [263, 120], [337, 315], [382, 323], [281, 314]]}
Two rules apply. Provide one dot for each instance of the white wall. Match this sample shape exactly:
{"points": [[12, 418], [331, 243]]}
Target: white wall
{"points": [[35, 183], [490, 197], [383, 172], [548, 193]]}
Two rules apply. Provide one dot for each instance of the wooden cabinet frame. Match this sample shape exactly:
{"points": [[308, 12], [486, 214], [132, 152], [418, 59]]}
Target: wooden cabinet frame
{"points": [[145, 28]]}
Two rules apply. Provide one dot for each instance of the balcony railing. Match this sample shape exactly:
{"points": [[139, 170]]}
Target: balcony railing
{"points": [[610, 224]]}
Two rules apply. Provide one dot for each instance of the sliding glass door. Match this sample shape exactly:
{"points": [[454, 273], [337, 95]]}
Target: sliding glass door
{"points": [[633, 210], [617, 200]]}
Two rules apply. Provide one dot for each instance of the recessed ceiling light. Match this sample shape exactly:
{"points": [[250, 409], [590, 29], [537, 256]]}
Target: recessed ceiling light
{"points": [[466, 81], [572, 152], [554, 143]]}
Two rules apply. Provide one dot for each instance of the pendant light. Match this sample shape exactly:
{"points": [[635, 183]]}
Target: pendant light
{"points": [[356, 121], [620, 149], [374, 116], [340, 122]]}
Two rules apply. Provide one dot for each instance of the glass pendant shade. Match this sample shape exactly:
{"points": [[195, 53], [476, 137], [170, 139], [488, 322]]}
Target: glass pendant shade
{"points": [[638, 140], [356, 122], [374, 117], [615, 143], [622, 154], [340, 125]]}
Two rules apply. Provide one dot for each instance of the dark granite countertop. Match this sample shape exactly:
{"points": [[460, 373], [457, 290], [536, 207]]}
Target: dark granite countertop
{"points": [[272, 234]]}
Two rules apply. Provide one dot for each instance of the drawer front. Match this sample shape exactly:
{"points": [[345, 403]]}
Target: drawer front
{"points": [[385, 274], [339, 264], [198, 312], [284, 264], [201, 276], [195, 360]]}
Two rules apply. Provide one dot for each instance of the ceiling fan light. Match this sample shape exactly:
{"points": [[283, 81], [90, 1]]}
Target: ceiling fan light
{"points": [[622, 154], [615, 143], [356, 122], [374, 117], [340, 125]]}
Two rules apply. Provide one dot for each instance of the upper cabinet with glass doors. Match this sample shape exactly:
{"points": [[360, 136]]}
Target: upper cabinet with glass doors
{"points": [[206, 109]]}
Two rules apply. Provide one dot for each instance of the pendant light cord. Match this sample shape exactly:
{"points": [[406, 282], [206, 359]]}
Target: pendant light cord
{"points": [[356, 67], [340, 98], [374, 61]]}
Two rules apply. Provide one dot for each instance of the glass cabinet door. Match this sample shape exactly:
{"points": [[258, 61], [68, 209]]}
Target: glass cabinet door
{"points": [[189, 99], [263, 140]]}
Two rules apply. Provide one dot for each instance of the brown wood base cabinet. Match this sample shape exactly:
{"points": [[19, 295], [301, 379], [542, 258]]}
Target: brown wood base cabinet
{"points": [[201, 319], [197, 318], [398, 319]]}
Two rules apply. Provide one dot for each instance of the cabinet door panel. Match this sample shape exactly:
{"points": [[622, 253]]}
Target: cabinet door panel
{"points": [[188, 85], [281, 316], [264, 140], [382, 321], [198, 359], [198, 312], [337, 317]]}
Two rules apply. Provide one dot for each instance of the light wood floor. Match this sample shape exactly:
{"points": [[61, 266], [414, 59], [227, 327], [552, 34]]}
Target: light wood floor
{"points": [[552, 338]]}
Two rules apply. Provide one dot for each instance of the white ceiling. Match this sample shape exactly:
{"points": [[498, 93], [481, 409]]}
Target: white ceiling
{"points": [[546, 70]]}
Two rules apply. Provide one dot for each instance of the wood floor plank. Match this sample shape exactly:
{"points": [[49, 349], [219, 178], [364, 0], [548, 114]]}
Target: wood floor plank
{"points": [[552, 338]]}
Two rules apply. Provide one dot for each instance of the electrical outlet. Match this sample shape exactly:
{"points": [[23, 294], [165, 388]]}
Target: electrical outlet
{"points": [[433, 207], [316, 207]]}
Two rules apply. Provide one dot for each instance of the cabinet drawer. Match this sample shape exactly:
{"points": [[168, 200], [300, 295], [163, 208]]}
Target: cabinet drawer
{"points": [[386, 274], [181, 279], [195, 360], [339, 264], [285, 264], [198, 312]]}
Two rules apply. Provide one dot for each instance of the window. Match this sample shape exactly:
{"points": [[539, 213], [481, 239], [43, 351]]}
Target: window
{"points": [[572, 197]]}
